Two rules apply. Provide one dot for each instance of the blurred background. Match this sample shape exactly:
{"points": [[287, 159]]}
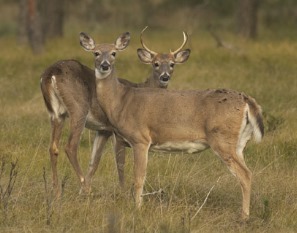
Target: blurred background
{"points": [[246, 45], [34, 22]]}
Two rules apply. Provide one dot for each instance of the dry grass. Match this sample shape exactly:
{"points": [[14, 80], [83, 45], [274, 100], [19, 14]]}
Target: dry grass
{"points": [[264, 69]]}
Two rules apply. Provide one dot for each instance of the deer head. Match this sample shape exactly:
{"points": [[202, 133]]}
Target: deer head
{"points": [[163, 64], [104, 53]]}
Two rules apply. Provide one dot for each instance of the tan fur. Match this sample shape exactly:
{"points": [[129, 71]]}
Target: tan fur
{"points": [[68, 89], [146, 118]]}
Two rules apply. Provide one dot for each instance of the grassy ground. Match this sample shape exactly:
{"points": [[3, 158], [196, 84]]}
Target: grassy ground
{"points": [[264, 69]]}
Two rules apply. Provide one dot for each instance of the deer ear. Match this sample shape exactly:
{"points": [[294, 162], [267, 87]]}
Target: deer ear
{"points": [[123, 41], [86, 42], [182, 56], [145, 56]]}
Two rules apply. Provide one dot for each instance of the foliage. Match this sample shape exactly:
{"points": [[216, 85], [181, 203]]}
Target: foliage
{"points": [[190, 14]]}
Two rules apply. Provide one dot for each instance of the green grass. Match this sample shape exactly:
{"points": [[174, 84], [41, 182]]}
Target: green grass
{"points": [[264, 69]]}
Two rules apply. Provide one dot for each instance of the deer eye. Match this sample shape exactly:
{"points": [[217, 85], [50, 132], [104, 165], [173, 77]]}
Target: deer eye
{"points": [[156, 64], [171, 65], [113, 54], [96, 54]]}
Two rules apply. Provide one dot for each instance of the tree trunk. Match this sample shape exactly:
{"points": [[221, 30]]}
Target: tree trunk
{"points": [[34, 31], [53, 12], [22, 22], [38, 20], [247, 18]]}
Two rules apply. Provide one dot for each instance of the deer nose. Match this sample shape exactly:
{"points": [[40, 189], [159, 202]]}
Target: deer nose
{"points": [[105, 65], [165, 77]]}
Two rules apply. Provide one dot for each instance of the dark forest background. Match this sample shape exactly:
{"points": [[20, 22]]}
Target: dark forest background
{"points": [[36, 21]]}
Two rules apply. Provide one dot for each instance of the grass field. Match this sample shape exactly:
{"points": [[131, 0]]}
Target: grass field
{"points": [[264, 69]]}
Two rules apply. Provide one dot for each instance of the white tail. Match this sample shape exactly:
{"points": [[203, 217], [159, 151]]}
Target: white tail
{"points": [[68, 89], [191, 121]]}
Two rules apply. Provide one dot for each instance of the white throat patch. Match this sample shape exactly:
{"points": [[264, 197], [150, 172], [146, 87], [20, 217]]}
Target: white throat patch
{"points": [[102, 75]]}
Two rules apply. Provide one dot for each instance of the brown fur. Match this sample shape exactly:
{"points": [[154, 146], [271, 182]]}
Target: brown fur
{"points": [[74, 89], [178, 120]]}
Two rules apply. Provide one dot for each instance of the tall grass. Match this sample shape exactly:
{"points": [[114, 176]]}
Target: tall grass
{"points": [[264, 69]]}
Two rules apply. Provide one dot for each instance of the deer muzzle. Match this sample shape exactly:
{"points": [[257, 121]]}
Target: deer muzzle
{"points": [[164, 77], [104, 66]]}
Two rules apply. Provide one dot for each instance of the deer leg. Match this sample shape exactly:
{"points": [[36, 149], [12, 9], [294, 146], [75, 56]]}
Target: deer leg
{"points": [[238, 168], [98, 146], [71, 149], [140, 152], [120, 153], [246, 189], [56, 126], [245, 178]]}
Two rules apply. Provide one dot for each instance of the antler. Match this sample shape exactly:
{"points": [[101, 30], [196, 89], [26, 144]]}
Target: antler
{"points": [[183, 44], [143, 45]]}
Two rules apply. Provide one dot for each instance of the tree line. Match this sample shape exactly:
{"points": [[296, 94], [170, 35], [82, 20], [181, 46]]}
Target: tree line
{"points": [[40, 20]]}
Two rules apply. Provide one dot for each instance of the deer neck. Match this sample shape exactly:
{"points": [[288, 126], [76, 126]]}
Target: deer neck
{"points": [[151, 82], [109, 92]]}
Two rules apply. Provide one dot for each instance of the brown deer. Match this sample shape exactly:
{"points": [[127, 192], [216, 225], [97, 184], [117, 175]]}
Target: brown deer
{"points": [[69, 90], [189, 121]]}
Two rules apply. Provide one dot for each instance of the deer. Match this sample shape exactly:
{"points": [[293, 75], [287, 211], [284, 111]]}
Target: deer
{"points": [[190, 121], [69, 91]]}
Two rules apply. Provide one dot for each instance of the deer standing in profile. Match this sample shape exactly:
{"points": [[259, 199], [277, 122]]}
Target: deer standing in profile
{"points": [[69, 90], [189, 121]]}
